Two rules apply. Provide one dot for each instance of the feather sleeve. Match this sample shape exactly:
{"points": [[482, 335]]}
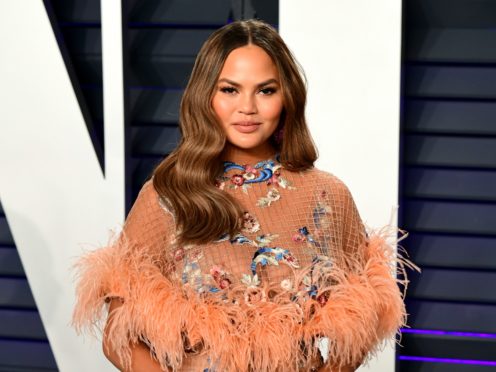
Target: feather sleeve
{"points": [[362, 306], [133, 268]]}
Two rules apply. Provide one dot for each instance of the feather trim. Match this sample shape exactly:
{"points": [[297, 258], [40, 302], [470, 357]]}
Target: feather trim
{"points": [[247, 327]]}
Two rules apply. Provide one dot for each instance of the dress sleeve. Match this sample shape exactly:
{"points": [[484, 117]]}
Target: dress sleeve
{"points": [[133, 267], [364, 307]]}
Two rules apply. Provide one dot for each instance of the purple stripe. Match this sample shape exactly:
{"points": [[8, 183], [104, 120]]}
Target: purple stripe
{"points": [[446, 360], [447, 333]]}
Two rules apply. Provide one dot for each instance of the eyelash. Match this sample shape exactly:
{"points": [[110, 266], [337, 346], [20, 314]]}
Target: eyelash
{"points": [[265, 91]]}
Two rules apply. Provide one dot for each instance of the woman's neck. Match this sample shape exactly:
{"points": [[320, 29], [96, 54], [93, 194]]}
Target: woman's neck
{"points": [[247, 156]]}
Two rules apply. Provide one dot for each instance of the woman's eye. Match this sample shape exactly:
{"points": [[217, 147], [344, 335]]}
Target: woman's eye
{"points": [[268, 91], [228, 90]]}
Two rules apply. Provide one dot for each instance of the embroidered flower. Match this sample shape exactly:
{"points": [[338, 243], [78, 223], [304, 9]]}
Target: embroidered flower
{"points": [[274, 180], [298, 238], [220, 277], [286, 284], [278, 180], [322, 298], [192, 276], [224, 283], [216, 272], [307, 288], [303, 230], [250, 281], [272, 256], [265, 239], [304, 235], [250, 172], [250, 223], [272, 196], [241, 239], [322, 215], [290, 259], [267, 171], [322, 218], [220, 184], [179, 254], [237, 179]]}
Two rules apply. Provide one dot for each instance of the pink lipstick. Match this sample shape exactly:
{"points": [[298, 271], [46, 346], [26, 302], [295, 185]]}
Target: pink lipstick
{"points": [[246, 126]]}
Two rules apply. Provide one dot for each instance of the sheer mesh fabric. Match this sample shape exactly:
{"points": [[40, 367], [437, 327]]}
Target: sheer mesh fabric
{"points": [[302, 268], [316, 201]]}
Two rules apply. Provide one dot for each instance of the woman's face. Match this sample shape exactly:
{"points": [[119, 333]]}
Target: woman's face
{"points": [[248, 99]]}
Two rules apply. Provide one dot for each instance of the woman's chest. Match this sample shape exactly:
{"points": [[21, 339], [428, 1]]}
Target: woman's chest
{"points": [[281, 237]]}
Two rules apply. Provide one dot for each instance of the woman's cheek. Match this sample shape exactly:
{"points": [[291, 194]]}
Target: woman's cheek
{"points": [[223, 107], [272, 109]]}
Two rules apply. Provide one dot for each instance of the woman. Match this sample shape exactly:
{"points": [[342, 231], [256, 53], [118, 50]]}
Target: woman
{"points": [[239, 255]]}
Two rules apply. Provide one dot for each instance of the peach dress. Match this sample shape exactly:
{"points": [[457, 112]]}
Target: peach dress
{"points": [[302, 270]]}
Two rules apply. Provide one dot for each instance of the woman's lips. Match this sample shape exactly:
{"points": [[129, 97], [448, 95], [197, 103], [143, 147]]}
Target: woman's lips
{"points": [[246, 126]]}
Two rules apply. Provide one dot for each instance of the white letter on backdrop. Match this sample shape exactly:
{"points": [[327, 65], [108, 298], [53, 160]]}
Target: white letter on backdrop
{"points": [[54, 194]]}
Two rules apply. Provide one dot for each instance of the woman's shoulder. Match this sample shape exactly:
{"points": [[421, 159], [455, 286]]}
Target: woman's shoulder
{"points": [[149, 207], [326, 180], [149, 194]]}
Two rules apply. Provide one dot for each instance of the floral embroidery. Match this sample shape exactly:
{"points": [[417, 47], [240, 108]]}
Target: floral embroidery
{"points": [[264, 255], [310, 283], [250, 223], [250, 281], [272, 256], [261, 172], [308, 287], [237, 179], [322, 218], [322, 298], [267, 171], [220, 277], [192, 276], [220, 184], [277, 180], [260, 240], [322, 215], [265, 239], [251, 173], [286, 284], [179, 254], [321, 266], [272, 196], [304, 236]]}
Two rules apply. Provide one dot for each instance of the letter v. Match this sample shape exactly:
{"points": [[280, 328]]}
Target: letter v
{"points": [[51, 185]]}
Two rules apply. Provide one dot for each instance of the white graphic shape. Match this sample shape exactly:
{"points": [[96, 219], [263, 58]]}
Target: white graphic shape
{"points": [[350, 51], [54, 194]]}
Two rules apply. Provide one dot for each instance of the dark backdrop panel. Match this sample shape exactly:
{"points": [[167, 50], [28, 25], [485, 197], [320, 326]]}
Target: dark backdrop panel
{"points": [[164, 39], [448, 183]]}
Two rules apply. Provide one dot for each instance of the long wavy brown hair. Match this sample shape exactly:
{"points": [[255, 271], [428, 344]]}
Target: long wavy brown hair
{"points": [[186, 178]]}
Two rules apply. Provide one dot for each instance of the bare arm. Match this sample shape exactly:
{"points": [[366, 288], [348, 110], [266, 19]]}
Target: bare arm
{"points": [[141, 360], [342, 369]]}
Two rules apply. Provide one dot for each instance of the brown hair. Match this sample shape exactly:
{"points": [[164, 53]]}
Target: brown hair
{"points": [[186, 178]]}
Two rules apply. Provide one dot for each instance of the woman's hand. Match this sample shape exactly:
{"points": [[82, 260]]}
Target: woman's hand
{"points": [[141, 360]]}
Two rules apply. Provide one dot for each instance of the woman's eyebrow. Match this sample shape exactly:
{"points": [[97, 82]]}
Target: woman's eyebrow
{"points": [[262, 84]]}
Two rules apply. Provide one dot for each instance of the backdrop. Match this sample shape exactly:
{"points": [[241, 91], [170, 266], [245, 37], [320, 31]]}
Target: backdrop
{"points": [[56, 199]]}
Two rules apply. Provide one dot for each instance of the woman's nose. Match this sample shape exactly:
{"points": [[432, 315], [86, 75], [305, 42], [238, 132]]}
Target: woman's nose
{"points": [[247, 104]]}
